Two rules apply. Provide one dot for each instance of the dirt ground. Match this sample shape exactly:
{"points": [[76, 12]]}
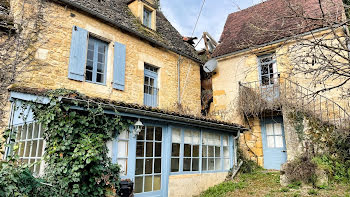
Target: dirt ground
{"points": [[266, 184]]}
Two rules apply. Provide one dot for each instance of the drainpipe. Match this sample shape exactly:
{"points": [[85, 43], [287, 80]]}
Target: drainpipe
{"points": [[178, 80], [235, 148]]}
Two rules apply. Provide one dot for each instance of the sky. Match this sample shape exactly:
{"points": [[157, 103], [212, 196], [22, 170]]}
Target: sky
{"points": [[183, 15]]}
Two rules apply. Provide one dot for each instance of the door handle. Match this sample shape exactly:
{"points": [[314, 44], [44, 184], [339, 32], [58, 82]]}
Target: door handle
{"points": [[284, 151]]}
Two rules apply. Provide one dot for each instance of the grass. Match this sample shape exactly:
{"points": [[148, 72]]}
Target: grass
{"points": [[266, 184]]}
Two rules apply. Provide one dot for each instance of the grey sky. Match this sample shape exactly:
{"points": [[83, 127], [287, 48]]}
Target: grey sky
{"points": [[183, 14]]}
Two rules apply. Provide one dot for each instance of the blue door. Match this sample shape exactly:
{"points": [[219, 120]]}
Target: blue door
{"points": [[274, 146]]}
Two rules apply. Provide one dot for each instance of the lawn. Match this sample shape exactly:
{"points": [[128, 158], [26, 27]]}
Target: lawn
{"points": [[266, 184]]}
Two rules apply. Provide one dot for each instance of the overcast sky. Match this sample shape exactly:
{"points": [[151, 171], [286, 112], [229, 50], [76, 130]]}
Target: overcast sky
{"points": [[183, 15]]}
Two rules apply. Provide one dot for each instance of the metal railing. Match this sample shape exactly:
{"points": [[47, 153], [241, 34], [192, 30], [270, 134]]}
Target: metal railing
{"points": [[286, 93], [150, 96]]}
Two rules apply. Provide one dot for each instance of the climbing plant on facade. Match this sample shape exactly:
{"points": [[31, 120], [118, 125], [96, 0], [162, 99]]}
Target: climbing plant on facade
{"points": [[76, 155]]}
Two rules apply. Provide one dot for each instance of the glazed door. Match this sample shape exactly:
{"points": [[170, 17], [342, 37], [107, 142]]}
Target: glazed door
{"points": [[274, 146], [149, 165]]}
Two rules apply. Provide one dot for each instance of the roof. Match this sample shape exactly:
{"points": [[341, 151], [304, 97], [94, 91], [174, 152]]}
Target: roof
{"points": [[117, 13], [146, 111], [274, 20]]}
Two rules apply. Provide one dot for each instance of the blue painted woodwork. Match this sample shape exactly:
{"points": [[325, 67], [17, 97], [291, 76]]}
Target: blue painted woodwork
{"points": [[119, 66], [150, 90], [78, 49], [274, 155]]}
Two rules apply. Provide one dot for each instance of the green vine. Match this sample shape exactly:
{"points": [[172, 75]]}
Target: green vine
{"points": [[76, 154]]}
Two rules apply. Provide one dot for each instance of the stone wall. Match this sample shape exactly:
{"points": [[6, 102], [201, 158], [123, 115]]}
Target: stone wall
{"points": [[193, 184], [55, 53]]}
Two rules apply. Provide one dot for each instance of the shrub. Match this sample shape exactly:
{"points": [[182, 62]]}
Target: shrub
{"points": [[301, 169]]}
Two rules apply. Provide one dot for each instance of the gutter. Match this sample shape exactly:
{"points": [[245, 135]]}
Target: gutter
{"points": [[152, 114], [93, 13], [269, 43]]}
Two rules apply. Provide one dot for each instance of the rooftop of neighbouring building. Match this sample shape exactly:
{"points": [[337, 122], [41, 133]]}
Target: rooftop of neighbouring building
{"points": [[274, 20]]}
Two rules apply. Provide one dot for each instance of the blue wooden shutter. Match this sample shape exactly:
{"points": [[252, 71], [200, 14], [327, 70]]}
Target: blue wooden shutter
{"points": [[119, 66], [78, 52]]}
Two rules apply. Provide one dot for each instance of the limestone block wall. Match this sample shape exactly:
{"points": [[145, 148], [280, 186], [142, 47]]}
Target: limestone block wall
{"points": [[55, 54], [193, 184]]}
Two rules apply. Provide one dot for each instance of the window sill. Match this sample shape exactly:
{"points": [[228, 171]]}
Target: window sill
{"points": [[197, 172]]}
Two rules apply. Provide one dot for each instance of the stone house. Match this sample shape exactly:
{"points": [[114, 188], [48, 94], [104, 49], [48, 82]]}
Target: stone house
{"points": [[127, 54], [253, 83]]}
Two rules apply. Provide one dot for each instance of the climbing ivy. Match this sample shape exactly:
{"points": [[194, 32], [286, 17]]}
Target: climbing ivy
{"points": [[76, 155]]}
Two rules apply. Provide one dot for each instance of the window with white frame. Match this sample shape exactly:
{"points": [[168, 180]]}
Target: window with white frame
{"points": [[211, 146], [29, 145], [122, 158], [268, 69], [96, 61], [194, 151]]}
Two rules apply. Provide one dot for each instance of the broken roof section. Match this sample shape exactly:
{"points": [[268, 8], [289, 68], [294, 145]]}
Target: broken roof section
{"points": [[117, 13], [274, 20]]}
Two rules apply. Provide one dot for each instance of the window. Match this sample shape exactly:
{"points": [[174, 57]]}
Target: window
{"points": [[147, 17], [96, 61], [29, 145], [274, 135], [150, 86], [211, 153], [268, 69], [122, 158], [148, 160], [192, 153]]}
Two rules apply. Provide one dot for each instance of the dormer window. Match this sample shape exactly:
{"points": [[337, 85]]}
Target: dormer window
{"points": [[147, 17]]}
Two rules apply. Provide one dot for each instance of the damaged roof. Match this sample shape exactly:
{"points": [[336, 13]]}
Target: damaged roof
{"points": [[140, 110], [117, 13], [274, 20]]}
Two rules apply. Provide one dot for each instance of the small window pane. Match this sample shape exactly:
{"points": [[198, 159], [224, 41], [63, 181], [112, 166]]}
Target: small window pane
{"points": [[36, 130], [205, 137], [149, 166], [188, 136], [99, 78], [101, 58], [28, 145], [269, 129], [139, 166], [158, 134], [124, 134], [174, 165], [278, 128], [270, 141], [225, 140], [195, 152], [158, 149], [218, 164], [204, 151], [88, 76], [91, 45], [90, 55], [122, 149], [187, 164], [187, 150], [279, 141], [100, 67], [138, 184], [226, 164], [196, 137], [24, 132], [217, 151], [30, 131], [157, 165], [204, 164], [175, 151], [101, 48], [176, 137], [157, 183], [210, 164], [226, 152], [195, 164], [122, 164], [149, 149], [34, 147], [148, 183], [139, 149], [211, 151], [150, 133]]}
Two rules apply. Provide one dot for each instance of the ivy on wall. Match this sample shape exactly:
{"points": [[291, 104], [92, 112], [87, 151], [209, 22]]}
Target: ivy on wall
{"points": [[76, 155]]}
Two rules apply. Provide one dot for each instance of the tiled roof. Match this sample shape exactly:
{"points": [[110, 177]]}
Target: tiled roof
{"points": [[273, 20], [144, 110], [117, 13]]}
